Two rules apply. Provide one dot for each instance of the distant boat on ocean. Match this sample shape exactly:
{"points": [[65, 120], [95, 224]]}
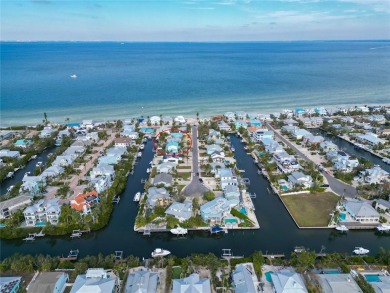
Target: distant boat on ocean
{"points": [[73, 76]]}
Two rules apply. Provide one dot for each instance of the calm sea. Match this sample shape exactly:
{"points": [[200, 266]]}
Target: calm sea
{"points": [[117, 80]]}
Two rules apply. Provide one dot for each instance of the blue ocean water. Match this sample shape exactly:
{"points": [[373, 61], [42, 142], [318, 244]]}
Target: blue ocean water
{"points": [[117, 80]]}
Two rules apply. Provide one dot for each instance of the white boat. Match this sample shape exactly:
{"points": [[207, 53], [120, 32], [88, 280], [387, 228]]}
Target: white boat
{"points": [[160, 252], [299, 249], [30, 237], [342, 228], [386, 160], [39, 164], [33, 157], [233, 149], [141, 146], [76, 234], [10, 188], [139, 155], [179, 231], [360, 251], [137, 196], [148, 170], [73, 76], [383, 228], [9, 175], [40, 234]]}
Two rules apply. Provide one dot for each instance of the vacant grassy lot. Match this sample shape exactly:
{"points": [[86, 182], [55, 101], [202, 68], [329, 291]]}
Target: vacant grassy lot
{"points": [[311, 210]]}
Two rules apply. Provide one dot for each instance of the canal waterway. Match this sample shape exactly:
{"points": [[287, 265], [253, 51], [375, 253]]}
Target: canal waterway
{"points": [[278, 233], [18, 176]]}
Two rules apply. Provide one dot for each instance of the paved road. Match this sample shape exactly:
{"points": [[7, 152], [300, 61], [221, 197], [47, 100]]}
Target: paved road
{"points": [[195, 187], [336, 185]]}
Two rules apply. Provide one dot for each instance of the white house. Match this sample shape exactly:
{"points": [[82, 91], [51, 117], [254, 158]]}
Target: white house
{"points": [[212, 148], [383, 205], [46, 132], [155, 120], [361, 211], [327, 146], [96, 281], [300, 178], [102, 170], [244, 279], [286, 281], [181, 211], [47, 211], [230, 116], [32, 184], [370, 139], [123, 142], [232, 194], [180, 120], [193, 283], [373, 175], [166, 167], [9, 154], [227, 177], [52, 172]]}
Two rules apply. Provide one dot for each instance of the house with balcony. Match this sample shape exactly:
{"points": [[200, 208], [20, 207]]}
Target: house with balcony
{"points": [[223, 126], [361, 211], [344, 163], [300, 133], [63, 161], [85, 202], [166, 167], [102, 170], [33, 184], [96, 281], [373, 175], [298, 178], [230, 116], [52, 172], [181, 211], [286, 281], [46, 132], [142, 281], [158, 196], [227, 177], [383, 205], [215, 210], [101, 183], [218, 157], [123, 142], [232, 194], [43, 211], [327, 146], [259, 135], [212, 148], [244, 279], [370, 138], [193, 283]]}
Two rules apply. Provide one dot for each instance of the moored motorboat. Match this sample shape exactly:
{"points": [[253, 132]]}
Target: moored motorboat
{"points": [[141, 147], [179, 231], [299, 249], [360, 251], [76, 234], [160, 252], [30, 237], [342, 228], [383, 228], [137, 196], [386, 161], [139, 155]]}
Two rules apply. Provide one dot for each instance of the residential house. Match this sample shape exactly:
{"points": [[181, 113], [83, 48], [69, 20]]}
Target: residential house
{"points": [[166, 167], [89, 136], [373, 175], [7, 207], [363, 109], [361, 211], [383, 205], [218, 157], [32, 184], [48, 282], [370, 139], [327, 146], [113, 156], [85, 202], [227, 177], [300, 133], [96, 281], [321, 111], [181, 211], [296, 178], [5, 153], [214, 134], [345, 163], [102, 170], [306, 122], [163, 178], [212, 148], [155, 120], [335, 283], [10, 284], [289, 128], [232, 194], [46, 132], [215, 210], [290, 122], [52, 172], [23, 143], [43, 211], [240, 123], [4, 134], [101, 183], [131, 134], [252, 129], [123, 142], [158, 196], [63, 161], [193, 283], [230, 116], [286, 281], [259, 135], [142, 281], [348, 120], [272, 146], [223, 126], [240, 115], [215, 166], [313, 139], [88, 124], [377, 118], [244, 279]]}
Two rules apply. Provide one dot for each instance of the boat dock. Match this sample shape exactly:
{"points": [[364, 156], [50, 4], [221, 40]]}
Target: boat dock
{"points": [[73, 255]]}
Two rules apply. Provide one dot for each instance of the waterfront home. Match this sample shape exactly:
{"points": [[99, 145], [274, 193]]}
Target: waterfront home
{"points": [[218, 157], [33, 184], [313, 139], [223, 126], [363, 109], [240, 123], [383, 205], [166, 167], [46, 132], [164, 179], [288, 166], [361, 211], [48, 210], [88, 136], [227, 176], [255, 123], [131, 134], [261, 134], [215, 210], [181, 211], [232, 194], [370, 139], [333, 283], [52, 172], [264, 117], [23, 143], [244, 279], [123, 142], [230, 116], [96, 281], [298, 178], [348, 120], [113, 156], [212, 148], [167, 120], [289, 128], [74, 151], [374, 175], [272, 146], [4, 134], [300, 133], [252, 129], [288, 112], [88, 124], [290, 122], [147, 130], [9, 206], [216, 165], [63, 133], [377, 118], [5, 153], [102, 170], [306, 122], [193, 283], [63, 161], [180, 120], [142, 281], [9, 284], [158, 196], [155, 120], [327, 146], [85, 202], [48, 282], [101, 183], [345, 163], [286, 281], [172, 147], [283, 157], [240, 115], [214, 134], [332, 155], [129, 127], [321, 111]]}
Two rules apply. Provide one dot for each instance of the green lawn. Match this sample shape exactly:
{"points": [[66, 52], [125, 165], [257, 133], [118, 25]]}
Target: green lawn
{"points": [[184, 175], [311, 210]]}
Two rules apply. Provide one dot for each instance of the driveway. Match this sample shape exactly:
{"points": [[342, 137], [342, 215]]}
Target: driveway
{"points": [[195, 187], [335, 185]]}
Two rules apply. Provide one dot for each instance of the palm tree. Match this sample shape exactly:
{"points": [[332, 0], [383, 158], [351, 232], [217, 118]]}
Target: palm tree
{"points": [[45, 116]]}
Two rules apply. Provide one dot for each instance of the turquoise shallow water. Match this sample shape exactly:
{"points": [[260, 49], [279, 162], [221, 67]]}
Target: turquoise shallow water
{"points": [[117, 80]]}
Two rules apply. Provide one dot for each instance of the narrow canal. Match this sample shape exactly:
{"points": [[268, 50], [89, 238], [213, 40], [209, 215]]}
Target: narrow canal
{"points": [[18, 176], [277, 234]]}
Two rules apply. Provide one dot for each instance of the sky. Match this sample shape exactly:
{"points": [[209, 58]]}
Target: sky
{"points": [[194, 20]]}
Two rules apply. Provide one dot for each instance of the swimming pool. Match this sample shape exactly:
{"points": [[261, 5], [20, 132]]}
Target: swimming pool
{"points": [[331, 272], [342, 216], [40, 224], [243, 211], [285, 188], [2, 225], [231, 221], [268, 276], [372, 278]]}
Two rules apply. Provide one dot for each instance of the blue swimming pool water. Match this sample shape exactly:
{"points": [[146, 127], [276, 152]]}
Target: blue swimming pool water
{"points": [[285, 188], [40, 224], [332, 272], [243, 211], [2, 225], [372, 278], [342, 216], [230, 221], [268, 276]]}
